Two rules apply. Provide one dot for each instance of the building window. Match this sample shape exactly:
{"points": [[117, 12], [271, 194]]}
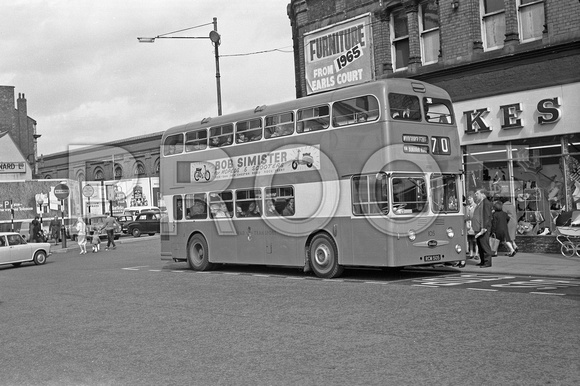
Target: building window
{"points": [[139, 169], [400, 39], [493, 23], [156, 167], [80, 176], [118, 172], [531, 19], [429, 30], [47, 177], [99, 175]]}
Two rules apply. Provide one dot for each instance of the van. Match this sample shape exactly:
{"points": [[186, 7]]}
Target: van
{"points": [[136, 210]]}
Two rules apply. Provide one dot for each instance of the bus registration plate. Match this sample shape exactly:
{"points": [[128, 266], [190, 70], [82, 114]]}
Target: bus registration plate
{"points": [[432, 258]]}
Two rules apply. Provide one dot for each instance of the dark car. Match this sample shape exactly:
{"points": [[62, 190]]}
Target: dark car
{"points": [[124, 220], [146, 222]]}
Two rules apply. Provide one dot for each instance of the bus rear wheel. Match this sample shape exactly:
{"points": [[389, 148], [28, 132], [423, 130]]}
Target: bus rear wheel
{"points": [[198, 254], [323, 257]]}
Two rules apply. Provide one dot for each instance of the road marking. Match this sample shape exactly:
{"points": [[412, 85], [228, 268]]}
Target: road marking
{"points": [[178, 271], [135, 268], [424, 285], [155, 270], [547, 293], [482, 289]]}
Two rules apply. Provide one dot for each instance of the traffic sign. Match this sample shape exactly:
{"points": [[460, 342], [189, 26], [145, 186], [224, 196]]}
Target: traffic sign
{"points": [[88, 191], [61, 191]]}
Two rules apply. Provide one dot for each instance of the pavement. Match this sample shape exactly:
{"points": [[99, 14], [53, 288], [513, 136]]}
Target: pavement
{"points": [[532, 264]]}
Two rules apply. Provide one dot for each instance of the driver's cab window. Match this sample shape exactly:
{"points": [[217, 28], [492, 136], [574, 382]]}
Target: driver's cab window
{"points": [[409, 194], [444, 193]]}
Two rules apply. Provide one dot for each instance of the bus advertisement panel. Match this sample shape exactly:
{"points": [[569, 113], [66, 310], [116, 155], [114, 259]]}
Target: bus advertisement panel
{"points": [[366, 176]]}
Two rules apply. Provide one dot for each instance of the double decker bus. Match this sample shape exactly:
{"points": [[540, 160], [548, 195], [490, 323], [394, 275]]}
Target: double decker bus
{"points": [[365, 176]]}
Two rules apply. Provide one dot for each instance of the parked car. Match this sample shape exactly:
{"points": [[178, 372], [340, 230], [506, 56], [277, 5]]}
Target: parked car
{"points": [[123, 220], [15, 250], [146, 222], [94, 222], [135, 210]]}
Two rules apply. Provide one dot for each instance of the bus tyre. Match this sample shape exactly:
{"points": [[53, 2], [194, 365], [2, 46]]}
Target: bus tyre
{"points": [[39, 258], [198, 254], [323, 257]]}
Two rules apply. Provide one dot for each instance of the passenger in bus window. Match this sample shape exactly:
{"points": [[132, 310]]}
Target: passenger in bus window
{"points": [[289, 209], [178, 210], [271, 208], [197, 210], [214, 142], [242, 138], [253, 210], [220, 210]]}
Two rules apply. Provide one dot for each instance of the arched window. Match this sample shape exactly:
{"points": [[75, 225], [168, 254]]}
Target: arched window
{"points": [[47, 177], [156, 168], [118, 172], [139, 169], [99, 175], [80, 176]]}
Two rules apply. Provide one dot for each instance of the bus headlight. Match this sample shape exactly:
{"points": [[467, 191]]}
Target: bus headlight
{"points": [[450, 232], [411, 234], [458, 248]]}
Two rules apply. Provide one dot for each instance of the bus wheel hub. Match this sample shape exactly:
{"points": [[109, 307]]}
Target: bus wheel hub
{"points": [[322, 255]]}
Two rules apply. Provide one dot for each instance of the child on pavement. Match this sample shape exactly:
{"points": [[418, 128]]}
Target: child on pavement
{"points": [[96, 240]]}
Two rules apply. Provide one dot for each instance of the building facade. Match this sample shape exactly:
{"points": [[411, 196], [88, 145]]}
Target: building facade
{"points": [[16, 122], [509, 66]]}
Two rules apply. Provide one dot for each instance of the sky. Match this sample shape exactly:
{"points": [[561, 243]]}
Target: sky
{"points": [[88, 80]]}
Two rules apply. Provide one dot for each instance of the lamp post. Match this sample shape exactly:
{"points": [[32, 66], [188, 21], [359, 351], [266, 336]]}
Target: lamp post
{"points": [[215, 38]]}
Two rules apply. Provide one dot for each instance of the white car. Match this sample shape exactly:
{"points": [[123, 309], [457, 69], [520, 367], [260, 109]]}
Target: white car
{"points": [[15, 250]]}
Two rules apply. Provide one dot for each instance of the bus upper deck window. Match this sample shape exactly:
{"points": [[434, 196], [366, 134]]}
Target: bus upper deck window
{"points": [[249, 130], [221, 135], [355, 110], [404, 107], [195, 140], [173, 144], [438, 110], [279, 125], [313, 119]]}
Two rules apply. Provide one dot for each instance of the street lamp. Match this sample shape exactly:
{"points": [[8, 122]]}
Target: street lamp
{"points": [[215, 38]]}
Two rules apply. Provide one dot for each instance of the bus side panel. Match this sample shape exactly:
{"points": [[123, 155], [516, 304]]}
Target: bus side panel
{"points": [[347, 245], [370, 244], [251, 240]]}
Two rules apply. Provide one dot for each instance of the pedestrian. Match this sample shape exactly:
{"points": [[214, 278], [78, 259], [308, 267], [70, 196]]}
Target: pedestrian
{"points": [[109, 226], [35, 230], [81, 228], [96, 240], [54, 229], [469, 209], [481, 224], [499, 227], [510, 210]]}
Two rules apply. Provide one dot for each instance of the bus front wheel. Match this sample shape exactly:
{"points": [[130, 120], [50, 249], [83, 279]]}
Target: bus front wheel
{"points": [[323, 257], [198, 254]]}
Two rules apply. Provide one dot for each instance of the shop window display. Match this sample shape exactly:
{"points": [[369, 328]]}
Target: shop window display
{"points": [[541, 176]]}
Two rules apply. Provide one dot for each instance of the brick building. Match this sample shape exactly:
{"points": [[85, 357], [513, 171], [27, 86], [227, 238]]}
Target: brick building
{"points": [[510, 67], [14, 119]]}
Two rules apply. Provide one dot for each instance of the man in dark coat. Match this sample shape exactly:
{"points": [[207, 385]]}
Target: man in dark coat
{"points": [[481, 224]]}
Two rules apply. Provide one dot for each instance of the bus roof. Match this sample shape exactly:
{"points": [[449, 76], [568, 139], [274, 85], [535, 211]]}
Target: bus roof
{"points": [[374, 87]]}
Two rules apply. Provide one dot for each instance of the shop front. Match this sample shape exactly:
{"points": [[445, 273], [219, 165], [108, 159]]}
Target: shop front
{"points": [[524, 147]]}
